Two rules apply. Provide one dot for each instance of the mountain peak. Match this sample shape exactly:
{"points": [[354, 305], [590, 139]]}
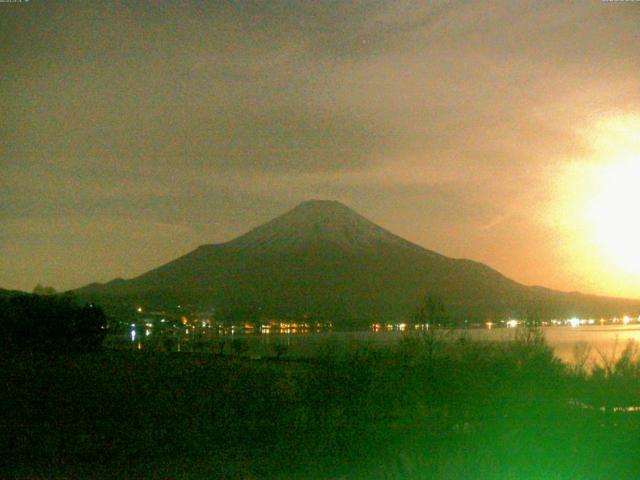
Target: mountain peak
{"points": [[322, 210], [322, 205], [316, 221]]}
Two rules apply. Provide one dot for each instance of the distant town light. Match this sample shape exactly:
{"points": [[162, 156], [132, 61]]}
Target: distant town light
{"points": [[574, 322], [139, 309]]}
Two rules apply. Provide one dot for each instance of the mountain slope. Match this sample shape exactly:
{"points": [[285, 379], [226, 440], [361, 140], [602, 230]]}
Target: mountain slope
{"points": [[323, 260]]}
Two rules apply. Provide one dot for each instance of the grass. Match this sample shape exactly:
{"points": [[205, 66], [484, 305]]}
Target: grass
{"points": [[427, 408]]}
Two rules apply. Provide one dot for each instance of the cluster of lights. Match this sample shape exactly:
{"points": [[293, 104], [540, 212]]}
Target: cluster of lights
{"points": [[515, 323], [378, 327], [294, 327]]}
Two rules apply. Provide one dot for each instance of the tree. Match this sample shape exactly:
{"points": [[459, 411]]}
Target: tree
{"points": [[431, 311], [50, 323], [239, 346], [41, 290], [280, 349]]}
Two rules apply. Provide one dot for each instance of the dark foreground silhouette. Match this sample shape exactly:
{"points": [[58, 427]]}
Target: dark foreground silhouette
{"points": [[50, 323], [425, 409]]}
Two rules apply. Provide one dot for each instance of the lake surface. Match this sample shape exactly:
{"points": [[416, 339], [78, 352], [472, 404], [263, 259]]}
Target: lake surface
{"points": [[594, 343], [605, 342]]}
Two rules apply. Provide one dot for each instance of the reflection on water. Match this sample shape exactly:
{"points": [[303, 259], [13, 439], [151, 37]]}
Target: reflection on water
{"points": [[589, 344], [597, 342]]}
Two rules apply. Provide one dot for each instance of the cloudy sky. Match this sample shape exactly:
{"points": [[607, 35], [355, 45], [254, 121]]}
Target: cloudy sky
{"points": [[132, 132]]}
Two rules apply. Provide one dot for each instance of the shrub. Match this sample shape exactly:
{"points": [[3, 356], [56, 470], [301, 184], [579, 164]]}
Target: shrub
{"points": [[50, 323]]}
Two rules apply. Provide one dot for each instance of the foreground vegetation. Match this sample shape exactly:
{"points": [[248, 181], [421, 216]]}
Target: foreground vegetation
{"points": [[49, 323], [428, 408]]}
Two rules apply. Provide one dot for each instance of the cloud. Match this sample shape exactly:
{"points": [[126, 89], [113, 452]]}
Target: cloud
{"points": [[197, 113]]}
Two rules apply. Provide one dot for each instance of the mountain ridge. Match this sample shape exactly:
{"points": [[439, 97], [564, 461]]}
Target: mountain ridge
{"points": [[323, 259]]}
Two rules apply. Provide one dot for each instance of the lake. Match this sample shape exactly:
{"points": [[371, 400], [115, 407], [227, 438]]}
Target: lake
{"points": [[596, 342], [606, 341]]}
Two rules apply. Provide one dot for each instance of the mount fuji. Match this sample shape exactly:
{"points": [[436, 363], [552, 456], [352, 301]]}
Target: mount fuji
{"points": [[323, 260]]}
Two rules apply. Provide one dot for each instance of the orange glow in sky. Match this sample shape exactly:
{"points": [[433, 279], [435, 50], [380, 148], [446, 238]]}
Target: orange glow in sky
{"points": [[599, 201]]}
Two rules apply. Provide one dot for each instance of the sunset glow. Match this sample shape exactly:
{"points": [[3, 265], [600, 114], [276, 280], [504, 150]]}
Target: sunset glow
{"points": [[596, 201], [613, 214], [612, 206]]}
